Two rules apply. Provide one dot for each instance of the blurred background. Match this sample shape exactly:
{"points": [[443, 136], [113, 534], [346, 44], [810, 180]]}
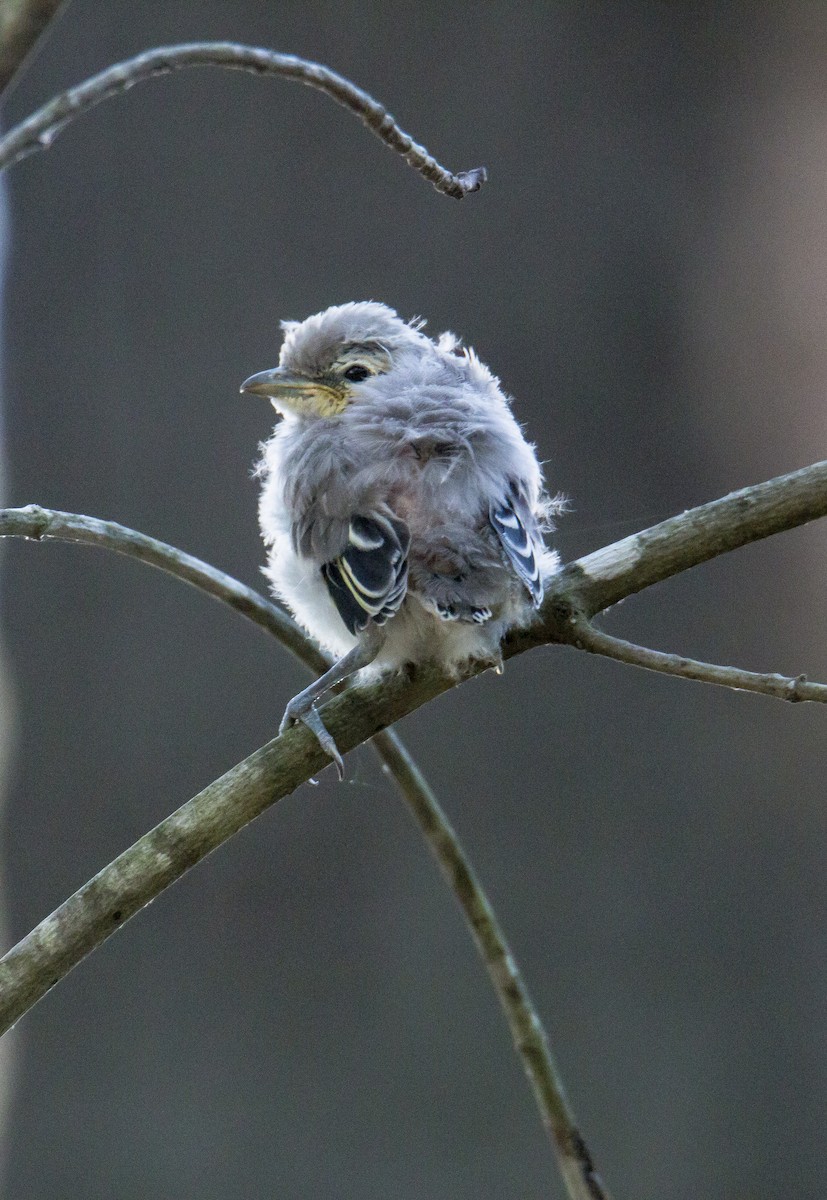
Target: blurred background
{"points": [[304, 1014]]}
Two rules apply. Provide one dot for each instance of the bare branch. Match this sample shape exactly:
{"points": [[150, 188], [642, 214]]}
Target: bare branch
{"points": [[45, 524], [585, 587], [588, 637], [576, 1164], [39, 130], [31, 968], [617, 571], [21, 24]]}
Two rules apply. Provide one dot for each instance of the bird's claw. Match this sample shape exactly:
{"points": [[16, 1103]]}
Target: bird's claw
{"points": [[308, 715]]}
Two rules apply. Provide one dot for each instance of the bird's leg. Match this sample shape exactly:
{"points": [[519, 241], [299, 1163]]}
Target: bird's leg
{"points": [[302, 707]]}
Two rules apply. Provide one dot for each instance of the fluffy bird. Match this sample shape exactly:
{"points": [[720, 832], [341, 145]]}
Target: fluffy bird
{"points": [[402, 509]]}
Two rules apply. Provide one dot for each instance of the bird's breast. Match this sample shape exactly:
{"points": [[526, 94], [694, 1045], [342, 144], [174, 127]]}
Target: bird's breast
{"points": [[436, 490]]}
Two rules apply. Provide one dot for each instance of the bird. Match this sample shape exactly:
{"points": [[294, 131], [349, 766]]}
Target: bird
{"points": [[403, 511]]}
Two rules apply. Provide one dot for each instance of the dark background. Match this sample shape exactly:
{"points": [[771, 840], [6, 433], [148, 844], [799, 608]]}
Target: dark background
{"points": [[304, 1015]]}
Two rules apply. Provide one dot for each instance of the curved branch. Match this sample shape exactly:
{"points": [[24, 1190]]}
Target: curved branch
{"points": [[781, 687], [45, 524], [39, 130], [576, 1165], [585, 587]]}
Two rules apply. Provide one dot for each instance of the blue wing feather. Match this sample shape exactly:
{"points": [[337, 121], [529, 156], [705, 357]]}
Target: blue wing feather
{"points": [[369, 579], [516, 527]]}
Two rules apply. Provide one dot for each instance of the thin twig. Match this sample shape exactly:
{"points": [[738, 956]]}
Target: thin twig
{"points": [[39, 130], [21, 24], [781, 687], [576, 1164], [45, 524]]}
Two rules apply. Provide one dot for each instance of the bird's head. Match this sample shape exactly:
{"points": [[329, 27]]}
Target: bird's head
{"points": [[326, 358]]}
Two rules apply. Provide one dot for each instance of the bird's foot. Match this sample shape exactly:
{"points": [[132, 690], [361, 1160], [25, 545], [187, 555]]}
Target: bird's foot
{"points": [[466, 613], [303, 709]]}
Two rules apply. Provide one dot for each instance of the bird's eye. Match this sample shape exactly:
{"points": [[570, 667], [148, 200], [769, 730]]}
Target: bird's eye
{"points": [[356, 373]]}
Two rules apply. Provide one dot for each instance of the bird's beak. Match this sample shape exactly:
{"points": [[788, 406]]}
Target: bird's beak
{"points": [[291, 392], [275, 383]]}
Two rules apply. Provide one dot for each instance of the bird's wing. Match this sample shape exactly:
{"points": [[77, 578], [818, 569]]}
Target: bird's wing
{"points": [[519, 533], [368, 580]]}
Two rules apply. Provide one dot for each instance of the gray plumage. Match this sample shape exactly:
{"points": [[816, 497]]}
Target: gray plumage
{"points": [[402, 509]]}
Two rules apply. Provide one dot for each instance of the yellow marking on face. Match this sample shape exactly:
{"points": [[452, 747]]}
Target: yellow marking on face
{"points": [[317, 399], [330, 392], [329, 403]]}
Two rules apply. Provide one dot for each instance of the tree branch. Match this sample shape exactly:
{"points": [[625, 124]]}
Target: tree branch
{"points": [[39, 130], [575, 1161], [782, 687], [576, 1165], [585, 587], [21, 24], [582, 588], [693, 537], [45, 524]]}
